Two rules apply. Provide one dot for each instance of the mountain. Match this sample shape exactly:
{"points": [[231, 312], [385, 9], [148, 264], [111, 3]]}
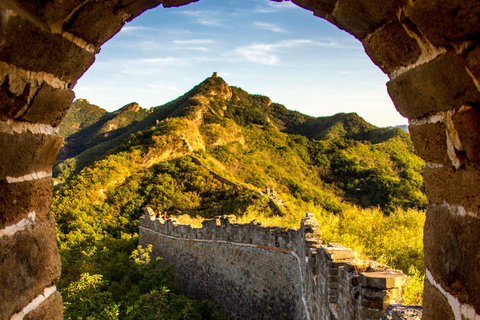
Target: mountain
{"points": [[220, 150], [80, 115], [210, 102], [252, 142]]}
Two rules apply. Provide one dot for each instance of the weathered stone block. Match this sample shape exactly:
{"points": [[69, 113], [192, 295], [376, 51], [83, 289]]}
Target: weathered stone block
{"points": [[435, 305], [467, 125], [30, 262], [49, 52], [18, 199], [11, 104], [49, 105], [176, 3], [439, 85], [383, 280], [50, 309], [381, 295], [444, 22], [341, 254], [392, 47], [50, 11], [430, 141], [135, 8], [321, 8], [367, 313], [451, 254], [363, 17], [402, 312], [33, 153], [455, 187], [473, 61], [96, 22]]}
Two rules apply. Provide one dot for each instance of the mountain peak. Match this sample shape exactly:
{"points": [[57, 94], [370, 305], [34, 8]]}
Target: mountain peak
{"points": [[133, 106]]}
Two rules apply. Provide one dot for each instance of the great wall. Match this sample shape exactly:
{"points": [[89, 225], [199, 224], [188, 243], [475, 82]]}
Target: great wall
{"points": [[257, 272]]}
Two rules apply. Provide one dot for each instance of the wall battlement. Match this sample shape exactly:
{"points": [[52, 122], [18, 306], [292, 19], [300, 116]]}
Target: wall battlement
{"points": [[258, 272]]}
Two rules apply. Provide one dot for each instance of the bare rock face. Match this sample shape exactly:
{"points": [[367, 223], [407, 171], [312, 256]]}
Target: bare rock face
{"points": [[130, 107]]}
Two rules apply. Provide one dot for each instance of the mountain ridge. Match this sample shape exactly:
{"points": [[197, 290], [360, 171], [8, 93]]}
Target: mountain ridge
{"points": [[209, 102]]}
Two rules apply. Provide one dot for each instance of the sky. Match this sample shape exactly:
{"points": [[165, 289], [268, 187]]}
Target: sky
{"points": [[274, 49]]}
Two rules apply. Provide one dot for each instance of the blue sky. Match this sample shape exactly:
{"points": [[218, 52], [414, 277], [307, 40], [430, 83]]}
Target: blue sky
{"points": [[269, 48]]}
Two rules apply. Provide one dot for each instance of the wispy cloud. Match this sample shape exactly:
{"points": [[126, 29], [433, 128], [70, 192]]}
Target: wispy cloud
{"points": [[194, 41], [134, 28], [204, 17], [264, 53], [271, 6], [268, 26], [168, 61]]}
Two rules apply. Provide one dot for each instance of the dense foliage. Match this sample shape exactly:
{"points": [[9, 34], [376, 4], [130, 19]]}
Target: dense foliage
{"points": [[346, 171]]}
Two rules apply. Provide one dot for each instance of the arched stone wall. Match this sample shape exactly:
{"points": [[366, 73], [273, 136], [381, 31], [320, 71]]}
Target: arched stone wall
{"points": [[429, 48]]}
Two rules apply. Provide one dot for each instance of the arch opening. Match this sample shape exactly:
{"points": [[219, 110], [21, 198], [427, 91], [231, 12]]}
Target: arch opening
{"points": [[429, 49]]}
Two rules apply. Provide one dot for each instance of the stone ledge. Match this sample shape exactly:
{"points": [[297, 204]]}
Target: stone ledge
{"points": [[440, 85], [49, 52], [33, 153], [445, 22], [442, 181], [33, 263], [383, 280], [50, 309], [392, 47], [451, 253], [18, 199]]}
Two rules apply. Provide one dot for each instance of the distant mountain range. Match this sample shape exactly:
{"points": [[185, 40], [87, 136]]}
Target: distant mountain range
{"points": [[247, 140]]}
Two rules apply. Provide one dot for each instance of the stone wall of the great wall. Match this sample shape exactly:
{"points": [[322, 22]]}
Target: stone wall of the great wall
{"points": [[256, 272]]}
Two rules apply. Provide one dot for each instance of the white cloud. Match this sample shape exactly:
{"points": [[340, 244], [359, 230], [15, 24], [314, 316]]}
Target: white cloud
{"points": [[269, 26], [195, 41], [168, 61], [274, 7], [204, 17], [134, 28], [263, 53]]}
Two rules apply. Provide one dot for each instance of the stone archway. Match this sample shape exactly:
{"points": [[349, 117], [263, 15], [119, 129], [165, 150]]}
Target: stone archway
{"points": [[429, 48]]}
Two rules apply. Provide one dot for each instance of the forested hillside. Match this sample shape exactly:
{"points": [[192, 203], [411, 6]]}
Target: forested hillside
{"points": [[176, 158]]}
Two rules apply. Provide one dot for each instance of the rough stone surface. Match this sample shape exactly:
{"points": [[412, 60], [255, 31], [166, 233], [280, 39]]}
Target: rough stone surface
{"points": [[440, 184], [451, 253], [49, 105], [33, 263], [33, 153], [363, 17], [252, 272], [249, 282], [467, 125], [11, 104], [321, 8], [439, 85], [49, 11], [446, 21], [135, 8], [401, 312], [391, 47], [176, 3], [50, 309], [49, 52], [435, 305], [473, 61], [430, 142], [18, 199], [96, 22]]}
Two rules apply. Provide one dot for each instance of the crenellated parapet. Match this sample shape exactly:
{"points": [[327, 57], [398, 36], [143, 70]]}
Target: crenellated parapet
{"points": [[253, 271]]}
